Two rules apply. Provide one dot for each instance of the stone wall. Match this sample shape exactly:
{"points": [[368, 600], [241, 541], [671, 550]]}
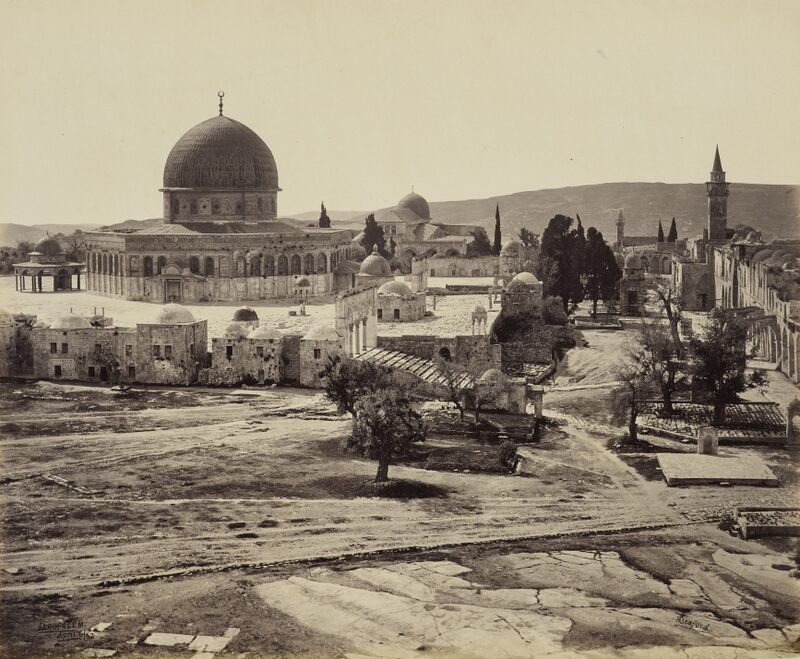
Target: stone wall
{"points": [[254, 360], [695, 282], [474, 352], [290, 355], [8, 351], [461, 266], [188, 344], [314, 355]]}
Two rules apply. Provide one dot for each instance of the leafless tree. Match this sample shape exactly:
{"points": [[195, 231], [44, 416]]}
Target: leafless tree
{"points": [[667, 294]]}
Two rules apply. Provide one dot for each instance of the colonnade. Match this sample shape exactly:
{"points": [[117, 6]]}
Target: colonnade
{"points": [[357, 337]]}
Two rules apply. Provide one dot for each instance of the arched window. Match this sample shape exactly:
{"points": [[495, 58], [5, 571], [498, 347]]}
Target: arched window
{"points": [[283, 265], [269, 266], [308, 264], [148, 266], [296, 265], [255, 266], [161, 264], [194, 265], [209, 266], [322, 263], [133, 266]]}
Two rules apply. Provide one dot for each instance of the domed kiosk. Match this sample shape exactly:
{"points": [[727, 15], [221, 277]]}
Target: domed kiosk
{"points": [[47, 269]]}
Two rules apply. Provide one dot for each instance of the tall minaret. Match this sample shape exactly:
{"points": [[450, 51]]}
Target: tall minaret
{"points": [[717, 193], [620, 229]]}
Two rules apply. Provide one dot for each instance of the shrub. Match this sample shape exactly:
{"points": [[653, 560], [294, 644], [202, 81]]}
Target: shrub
{"points": [[553, 311], [507, 454]]}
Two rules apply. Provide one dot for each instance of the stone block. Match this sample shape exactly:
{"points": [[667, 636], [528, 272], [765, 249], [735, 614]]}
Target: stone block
{"points": [[707, 440], [168, 640], [209, 643]]}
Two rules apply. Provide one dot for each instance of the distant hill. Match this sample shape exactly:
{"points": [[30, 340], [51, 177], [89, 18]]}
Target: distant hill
{"points": [[772, 209], [11, 233]]}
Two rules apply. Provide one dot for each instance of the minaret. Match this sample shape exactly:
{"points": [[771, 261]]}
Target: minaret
{"points": [[717, 193], [620, 229]]}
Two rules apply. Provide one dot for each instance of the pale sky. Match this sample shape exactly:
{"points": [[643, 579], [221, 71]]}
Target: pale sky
{"points": [[360, 100]]}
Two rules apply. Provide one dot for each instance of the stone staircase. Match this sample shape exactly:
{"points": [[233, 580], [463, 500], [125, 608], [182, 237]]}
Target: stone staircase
{"points": [[424, 369]]}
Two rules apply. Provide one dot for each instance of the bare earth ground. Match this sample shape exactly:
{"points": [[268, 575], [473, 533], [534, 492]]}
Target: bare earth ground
{"points": [[193, 511]]}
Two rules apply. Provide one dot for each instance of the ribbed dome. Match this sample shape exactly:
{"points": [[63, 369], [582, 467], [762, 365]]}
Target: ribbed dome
{"points": [[375, 265], [70, 321], [48, 247], [397, 288], [221, 153], [417, 204], [174, 314], [245, 314]]}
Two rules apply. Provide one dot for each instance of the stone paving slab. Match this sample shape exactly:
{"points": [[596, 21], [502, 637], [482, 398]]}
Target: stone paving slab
{"points": [[697, 469], [209, 643], [168, 640]]}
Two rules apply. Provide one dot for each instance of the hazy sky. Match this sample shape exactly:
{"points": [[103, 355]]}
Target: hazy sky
{"points": [[360, 100]]}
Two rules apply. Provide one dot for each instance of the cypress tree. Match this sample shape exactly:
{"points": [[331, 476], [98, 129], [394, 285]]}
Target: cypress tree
{"points": [[673, 232], [497, 233], [660, 232], [324, 220]]}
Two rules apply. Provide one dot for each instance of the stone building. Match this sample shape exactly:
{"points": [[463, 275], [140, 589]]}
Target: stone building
{"points": [[170, 350], [440, 265], [253, 356], [220, 239], [522, 294], [316, 348], [409, 226], [398, 303], [357, 319], [47, 269], [632, 286], [764, 282], [8, 345]]}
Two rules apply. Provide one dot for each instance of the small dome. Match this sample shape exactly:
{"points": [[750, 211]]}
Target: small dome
{"points": [[375, 265], [396, 288], [40, 324], [762, 255], [633, 261], [70, 321], [48, 247], [322, 333], [416, 204], [265, 332], [245, 314], [235, 331], [526, 278], [302, 283], [6, 319], [511, 247], [174, 314], [493, 376]]}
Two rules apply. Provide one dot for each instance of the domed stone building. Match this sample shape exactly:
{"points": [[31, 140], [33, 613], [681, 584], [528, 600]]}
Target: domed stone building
{"points": [[47, 269], [374, 270], [523, 293], [398, 303], [220, 239], [416, 235]]}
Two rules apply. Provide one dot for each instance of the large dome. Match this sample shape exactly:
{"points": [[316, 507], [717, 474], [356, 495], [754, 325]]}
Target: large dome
{"points": [[174, 314], [221, 153], [396, 288], [417, 204]]}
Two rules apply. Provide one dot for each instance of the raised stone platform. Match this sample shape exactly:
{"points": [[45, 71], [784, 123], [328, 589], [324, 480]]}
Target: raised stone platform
{"points": [[758, 522], [697, 469]]}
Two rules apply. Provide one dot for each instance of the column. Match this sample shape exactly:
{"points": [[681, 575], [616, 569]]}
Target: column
{"points": [[79, 280], [351, 341], [16, 282], [364, 335]]}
